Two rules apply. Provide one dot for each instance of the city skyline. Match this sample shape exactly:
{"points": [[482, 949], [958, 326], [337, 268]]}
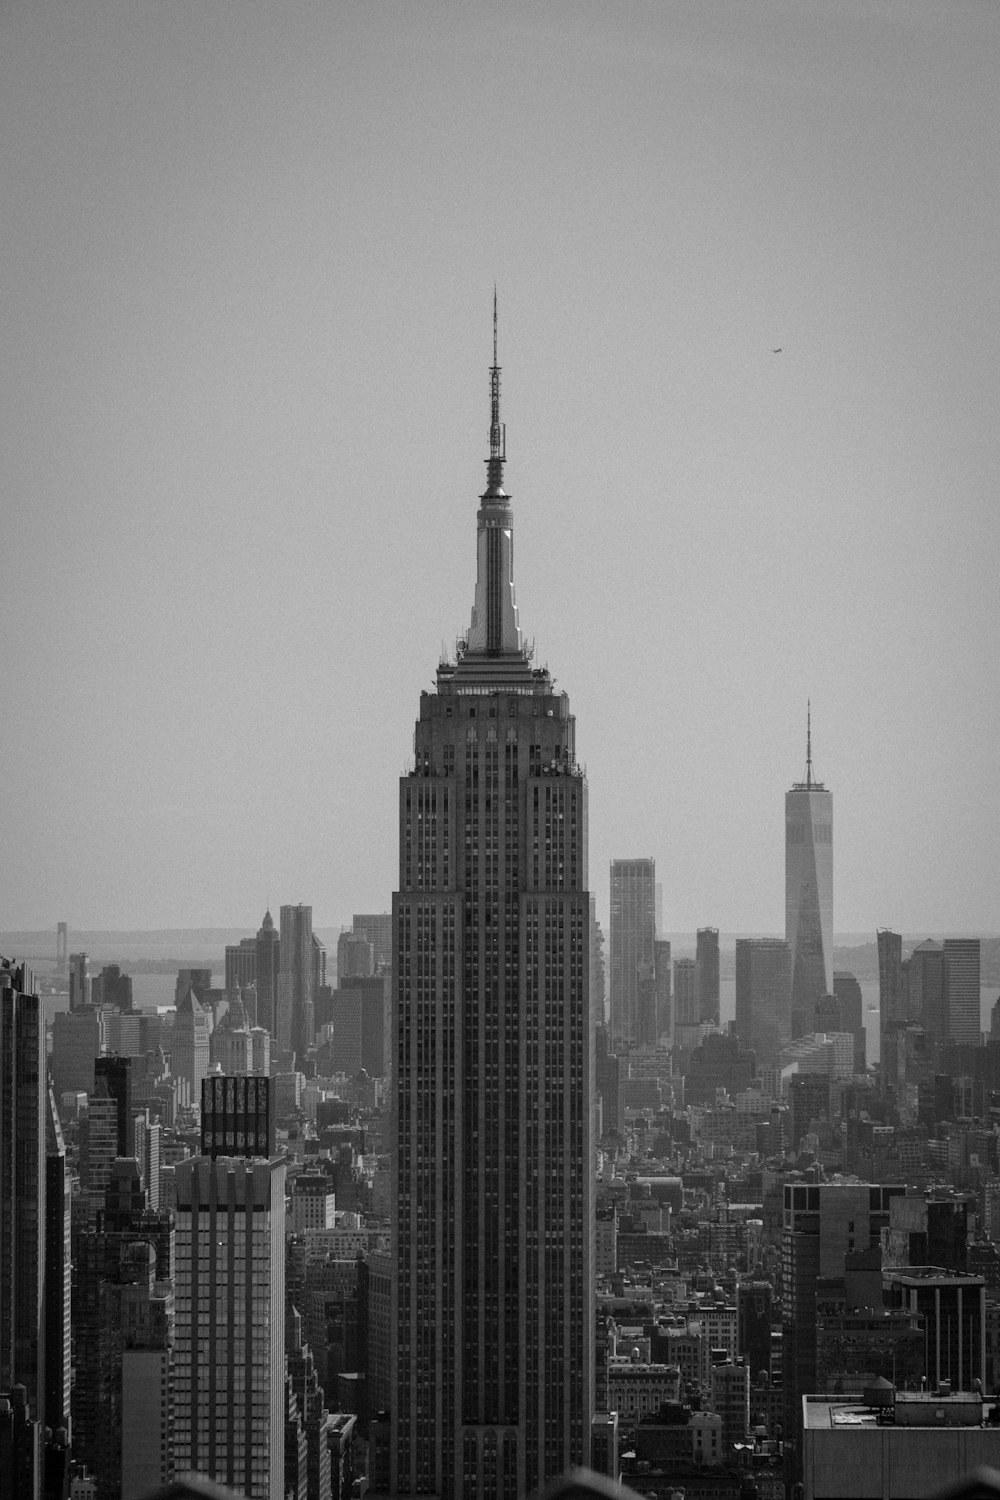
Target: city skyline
{"points": [[232, 384]]}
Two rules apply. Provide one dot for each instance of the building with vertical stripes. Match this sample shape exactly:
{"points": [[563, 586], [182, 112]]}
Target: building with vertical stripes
{"points": [[809, 892], [493, 1367], [229, 1329]]}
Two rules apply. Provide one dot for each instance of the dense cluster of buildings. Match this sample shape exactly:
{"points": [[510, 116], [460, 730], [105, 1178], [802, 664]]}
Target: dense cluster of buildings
{"points": [[479, 1205]]}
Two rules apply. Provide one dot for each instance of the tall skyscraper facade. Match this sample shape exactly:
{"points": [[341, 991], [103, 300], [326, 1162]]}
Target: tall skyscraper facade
{"points": [[961, 987], [633, 935], [296, 988], [266, 970], [493, 1230], [707, 959], [763, 996], [23, 1105], [809, 892], [229, 1329]]}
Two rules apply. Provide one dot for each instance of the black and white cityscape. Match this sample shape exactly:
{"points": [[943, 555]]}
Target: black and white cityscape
{"points": [[534, 1141]]}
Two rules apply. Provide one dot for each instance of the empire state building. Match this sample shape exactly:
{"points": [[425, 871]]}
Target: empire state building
{"points": [[492, 1236]]}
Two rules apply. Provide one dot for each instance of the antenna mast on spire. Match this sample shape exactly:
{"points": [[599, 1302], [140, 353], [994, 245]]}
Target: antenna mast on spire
{"points": [[809, 745], [498, 432]]}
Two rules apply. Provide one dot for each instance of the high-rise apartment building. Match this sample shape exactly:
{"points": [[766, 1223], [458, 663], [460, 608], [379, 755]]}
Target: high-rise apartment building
{"points": [[809, 892], [230, 1301], [266, 971], [707, 959], [296, 981], [633, 934], [23, 1104], [493, 1229], [961, 988], [763, 996]]}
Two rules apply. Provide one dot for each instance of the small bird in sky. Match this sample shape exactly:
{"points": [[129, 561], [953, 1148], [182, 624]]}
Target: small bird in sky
{"points": [[775, 351]]}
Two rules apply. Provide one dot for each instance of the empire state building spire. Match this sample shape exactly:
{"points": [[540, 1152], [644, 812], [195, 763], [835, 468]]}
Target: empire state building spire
{"points": [[494, 631]]}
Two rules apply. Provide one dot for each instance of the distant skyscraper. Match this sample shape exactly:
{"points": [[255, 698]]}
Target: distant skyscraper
{"points": [[117, 1075], [809, 892], [664, 989], [230, 1300], [241, 965], [926, 988], [633, 933], [707, 959], [23, 1105], [763, 996], [493, 1171], [189, 1049], [198, 981], [686, 1011], [296, 981], [112, 987], [267, 968], [891, 1001], [961, 989], [852, 1013], [79, 981], [77, 1038], [377, 928]]}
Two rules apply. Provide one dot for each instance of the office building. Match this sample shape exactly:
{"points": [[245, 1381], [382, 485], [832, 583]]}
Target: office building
{"points": [[822, 1224], [764, 997], [892, 1001], [852, 1014], [296, 981], [493, 1233], [102, 1258], [23, 1106], [230, 1298], [355, 956], [190, 1045], [377, 928], [266, 970], [230, 1046], [111, 987], [707, 959], [241, 965], [809, 892], [77, 1041], [598, 979], [890, 1444], [663, 970], [79, 981], [952, 1308], [633, 934], [961, 990], [359, 1020], [196, 981], [686, 1007], [926, 1002], [58, 1273]]}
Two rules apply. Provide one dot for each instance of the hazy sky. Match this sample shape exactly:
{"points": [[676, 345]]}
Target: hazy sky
{"points": [[247, 255]]}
